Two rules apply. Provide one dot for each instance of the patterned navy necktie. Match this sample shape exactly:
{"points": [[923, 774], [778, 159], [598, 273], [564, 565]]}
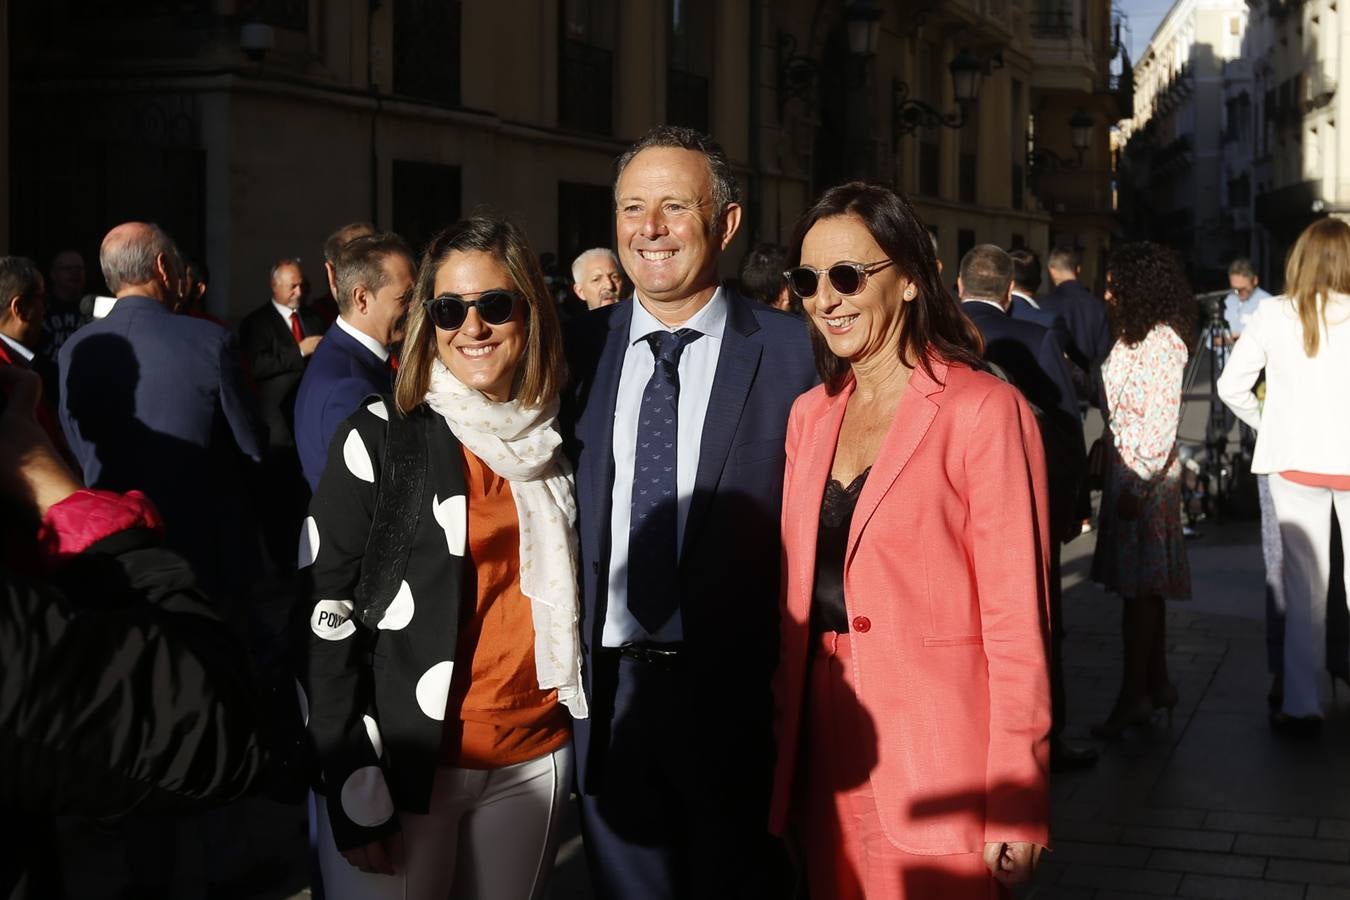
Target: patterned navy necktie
{"points": [[653, 595]]}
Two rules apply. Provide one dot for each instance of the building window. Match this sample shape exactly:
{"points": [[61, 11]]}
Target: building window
{"points": [[687, 75], [1017, 242], [930, 168], [965, 242], [289, 14], [1018, 186], [586, 66], [966, 177], [585, 219], [1052, 19], [426, 199], [426, 50]]}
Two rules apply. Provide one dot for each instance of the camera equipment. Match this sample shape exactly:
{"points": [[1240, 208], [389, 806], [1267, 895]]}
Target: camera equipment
{"points": [[1216, 340]]}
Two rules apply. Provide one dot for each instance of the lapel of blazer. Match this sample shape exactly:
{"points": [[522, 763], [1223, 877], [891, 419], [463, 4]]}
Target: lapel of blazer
{"points": [[912, 419], [736, 366], [604, 390]]}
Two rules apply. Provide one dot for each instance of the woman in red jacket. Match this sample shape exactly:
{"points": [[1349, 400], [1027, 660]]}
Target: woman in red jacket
{"points": [[913, 693]]}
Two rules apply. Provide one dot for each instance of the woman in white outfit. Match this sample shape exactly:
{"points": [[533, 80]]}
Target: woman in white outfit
{"points": [[1302, 341]]}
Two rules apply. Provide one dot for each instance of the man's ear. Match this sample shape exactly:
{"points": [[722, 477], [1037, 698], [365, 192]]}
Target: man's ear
{"points": [[576, 289], [960, 287], [731, 221], [331, 272], [14, 308], [361, 299]]}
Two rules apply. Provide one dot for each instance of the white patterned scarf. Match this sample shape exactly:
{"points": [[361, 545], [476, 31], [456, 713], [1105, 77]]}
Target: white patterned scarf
{"points": [[524, 446]]}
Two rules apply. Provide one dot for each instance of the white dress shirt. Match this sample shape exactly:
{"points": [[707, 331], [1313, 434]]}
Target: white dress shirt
{"points": [[286, 312], [1031, 301], [1239, 312], [364, 339], [698, 366], [24, 351]]}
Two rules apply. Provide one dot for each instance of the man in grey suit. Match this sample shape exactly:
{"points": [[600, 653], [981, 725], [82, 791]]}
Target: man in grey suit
{"points": [[155, 402]]}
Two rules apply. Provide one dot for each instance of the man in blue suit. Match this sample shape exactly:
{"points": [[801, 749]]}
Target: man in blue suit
{"points": [[1083, 312], [374, 280], [1031, 358], [1026, 283], [155, 402], [677, 419]]}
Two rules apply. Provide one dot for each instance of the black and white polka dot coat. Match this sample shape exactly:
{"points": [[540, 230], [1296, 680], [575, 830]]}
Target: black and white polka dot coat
{"points": [[376, 697]]}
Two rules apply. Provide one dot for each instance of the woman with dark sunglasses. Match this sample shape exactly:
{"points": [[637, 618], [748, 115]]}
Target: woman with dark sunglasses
{"points": [[913, 692], [439, 696]]}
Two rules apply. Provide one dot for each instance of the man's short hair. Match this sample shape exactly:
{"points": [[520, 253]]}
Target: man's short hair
{"points": [[986, 272], [360, 263], [286, 262], [762, 272], [1242, 267], [133, 261], [19, 276], [1062, 259], [726, 189], [585, 256], [343, 236], [1026, 269]]}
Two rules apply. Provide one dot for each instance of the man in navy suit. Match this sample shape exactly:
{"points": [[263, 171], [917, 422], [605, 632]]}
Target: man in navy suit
{"points": [[677, 418], [374, 282], [1083, 312], [155, 402], [277, 340], [1025, 306], [1032, 359]]}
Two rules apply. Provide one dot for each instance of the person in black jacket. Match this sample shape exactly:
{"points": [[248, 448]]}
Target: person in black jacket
{"points": [[121, 690]]}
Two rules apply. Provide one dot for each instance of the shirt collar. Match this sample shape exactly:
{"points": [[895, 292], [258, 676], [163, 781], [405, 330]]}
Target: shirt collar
{"points": [[997, 306], [1027, 297], [710, 321], [364, 339], [18, 348], [284, 310]]}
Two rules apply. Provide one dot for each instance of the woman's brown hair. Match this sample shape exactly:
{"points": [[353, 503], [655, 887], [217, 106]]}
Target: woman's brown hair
{"points": [[933, 324], [1319, 262], [542, 372], [1149, 287]]}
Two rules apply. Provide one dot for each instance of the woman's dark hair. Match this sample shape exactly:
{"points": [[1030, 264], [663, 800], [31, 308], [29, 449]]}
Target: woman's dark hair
{"points": [[933, 324], [1149, 286]]}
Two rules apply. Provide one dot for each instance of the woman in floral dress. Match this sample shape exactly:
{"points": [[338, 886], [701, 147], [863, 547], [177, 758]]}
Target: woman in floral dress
{"points": [[1141, 553]]}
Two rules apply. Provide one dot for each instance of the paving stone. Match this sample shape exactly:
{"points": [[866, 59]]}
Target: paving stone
{"points": [[1308, 872], [1146, 881], [1208, 863], [1338, 829], [1094, 832], [1294, 848], [1178, 838], [1165, 818], [1256, 823], [1322, 892], [1069, 852], [1218, 888]]}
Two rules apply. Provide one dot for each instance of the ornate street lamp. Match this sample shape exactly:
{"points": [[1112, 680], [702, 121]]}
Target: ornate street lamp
{"points": [[909, 115], [863, 18], [1041, 161]]}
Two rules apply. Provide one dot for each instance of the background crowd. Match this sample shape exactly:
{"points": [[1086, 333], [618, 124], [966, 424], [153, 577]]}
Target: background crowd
{"points": [[766, 570]]}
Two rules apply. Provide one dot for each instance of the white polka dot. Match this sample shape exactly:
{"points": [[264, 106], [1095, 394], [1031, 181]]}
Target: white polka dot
{"points": [[309, 543], [365, 797], [373, 732], [433, 688], [378, 410], [303, 701], [332, 619], [400, 611], [453, 517], [357, 459]]}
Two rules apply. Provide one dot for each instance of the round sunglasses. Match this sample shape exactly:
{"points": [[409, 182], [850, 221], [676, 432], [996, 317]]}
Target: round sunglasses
{"points": [[495, 307], [847, 278]]}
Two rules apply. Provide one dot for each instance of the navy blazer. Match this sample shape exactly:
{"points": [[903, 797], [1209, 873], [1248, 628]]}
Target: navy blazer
{"points": [[274, 360], [341, 373], [1033, 360], [730, 565], [1079, 366], [1085, 314], [156, 402]]}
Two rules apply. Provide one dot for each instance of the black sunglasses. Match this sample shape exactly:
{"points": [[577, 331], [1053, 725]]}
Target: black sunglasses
{"points": [[846, 278], [495, 307]]}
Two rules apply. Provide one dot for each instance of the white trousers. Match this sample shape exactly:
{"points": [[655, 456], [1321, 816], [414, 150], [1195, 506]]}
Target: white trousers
{"points": [[1304, 514], [488, 834]]}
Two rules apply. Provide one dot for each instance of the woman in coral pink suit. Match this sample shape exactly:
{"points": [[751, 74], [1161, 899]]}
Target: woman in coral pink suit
{"points": [[913, 696]]}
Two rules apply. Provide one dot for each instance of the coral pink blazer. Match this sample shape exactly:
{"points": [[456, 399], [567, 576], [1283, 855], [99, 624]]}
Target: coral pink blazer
{"points": [[945, 585]]}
